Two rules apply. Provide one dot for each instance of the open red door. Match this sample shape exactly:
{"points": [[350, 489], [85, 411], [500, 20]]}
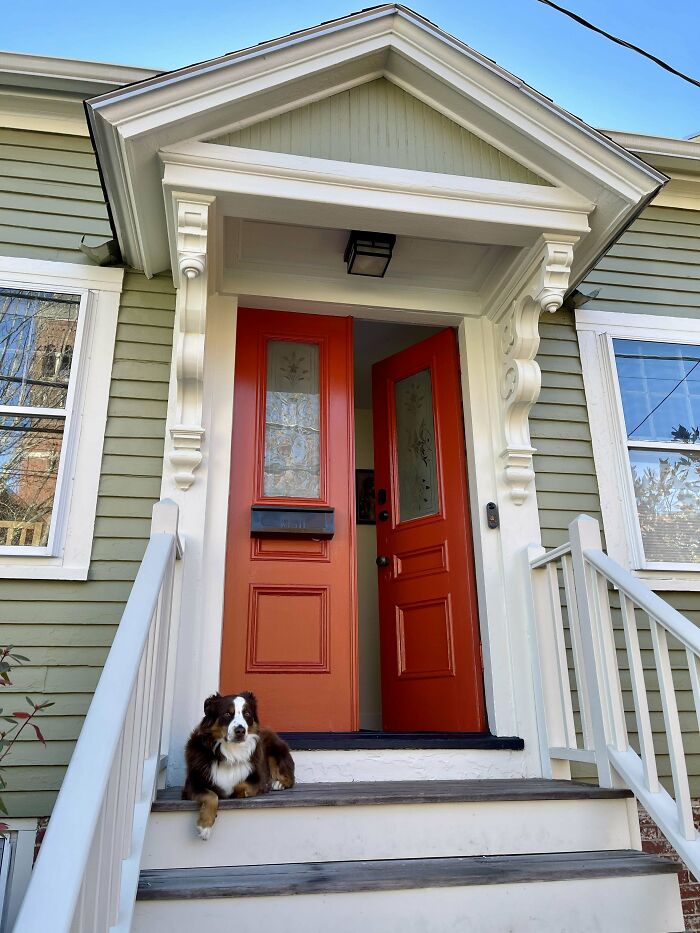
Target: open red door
{"points": [[430, 652]]}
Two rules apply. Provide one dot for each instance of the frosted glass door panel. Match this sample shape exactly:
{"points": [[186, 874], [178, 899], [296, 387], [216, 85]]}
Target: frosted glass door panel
{"points": [[292, 421], [415, 447]]}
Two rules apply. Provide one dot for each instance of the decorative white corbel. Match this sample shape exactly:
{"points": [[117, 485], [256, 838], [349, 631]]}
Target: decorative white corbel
{"points": [[520, 340], [194, 222]]}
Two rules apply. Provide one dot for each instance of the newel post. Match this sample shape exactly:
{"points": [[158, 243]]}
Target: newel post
{"points": [[164, 517], [584, 534]]}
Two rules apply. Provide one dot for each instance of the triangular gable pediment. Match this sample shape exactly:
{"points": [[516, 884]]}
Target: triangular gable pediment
{"points": [[378, 123]]}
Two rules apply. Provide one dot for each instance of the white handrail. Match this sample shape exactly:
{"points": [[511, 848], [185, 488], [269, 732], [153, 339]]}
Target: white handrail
{"points": [[571, 588], [85, 877]]}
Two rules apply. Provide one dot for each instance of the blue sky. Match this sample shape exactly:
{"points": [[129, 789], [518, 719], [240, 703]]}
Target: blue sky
{"points": [[606, 85]]}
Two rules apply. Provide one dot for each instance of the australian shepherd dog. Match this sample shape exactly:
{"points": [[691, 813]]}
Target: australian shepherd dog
{"points": [[230, 755]]}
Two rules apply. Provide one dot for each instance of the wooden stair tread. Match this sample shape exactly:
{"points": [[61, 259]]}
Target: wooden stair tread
{"points": [[394, 874], [366, 739], [397, 792]]}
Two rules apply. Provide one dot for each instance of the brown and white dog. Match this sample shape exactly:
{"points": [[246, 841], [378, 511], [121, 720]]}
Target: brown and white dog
{"points": [[229, 755]]}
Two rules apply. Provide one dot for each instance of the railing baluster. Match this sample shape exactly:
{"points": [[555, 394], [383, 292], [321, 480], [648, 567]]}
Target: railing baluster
{"points": [[616, 709], [577, 650], [674, 737], [639, 694], [562, 662]]}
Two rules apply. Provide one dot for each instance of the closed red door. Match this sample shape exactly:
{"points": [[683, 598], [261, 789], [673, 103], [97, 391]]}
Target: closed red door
{"points": [[290, 606], [430, 652]]}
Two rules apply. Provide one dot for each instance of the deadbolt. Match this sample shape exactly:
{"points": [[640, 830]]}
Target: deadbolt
{"points": [[383, 561]]}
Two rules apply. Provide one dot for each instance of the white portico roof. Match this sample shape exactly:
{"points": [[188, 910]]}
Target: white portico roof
{"points": [[151, 138]]}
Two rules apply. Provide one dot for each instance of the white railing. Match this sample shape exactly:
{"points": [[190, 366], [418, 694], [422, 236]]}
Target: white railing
{"points": [[576, 591], [86, 875]]}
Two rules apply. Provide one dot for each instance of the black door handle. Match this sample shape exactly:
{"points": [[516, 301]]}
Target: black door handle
{"points": [[383, 561]]}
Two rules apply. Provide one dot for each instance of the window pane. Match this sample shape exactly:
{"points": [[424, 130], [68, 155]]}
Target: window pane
{"points": [[37, 336], [415, 447], [660, 385], [667, 487], [30, 451], [292, 419]]}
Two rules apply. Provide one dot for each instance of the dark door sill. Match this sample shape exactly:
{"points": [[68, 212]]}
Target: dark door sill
{"points": [[349, 741]]}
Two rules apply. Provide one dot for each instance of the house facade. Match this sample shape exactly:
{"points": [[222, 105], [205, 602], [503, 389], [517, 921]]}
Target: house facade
{"points": [[362, 463]]}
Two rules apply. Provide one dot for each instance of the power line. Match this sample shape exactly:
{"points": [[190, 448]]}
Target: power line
{"points": [[656, 407], [627, 45]]}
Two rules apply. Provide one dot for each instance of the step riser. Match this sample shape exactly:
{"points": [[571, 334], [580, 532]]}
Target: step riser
{"points": [[407, 765], [645, 904], [313, 834]]}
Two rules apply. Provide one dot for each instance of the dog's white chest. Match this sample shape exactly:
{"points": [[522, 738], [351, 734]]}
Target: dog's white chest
{"points": [[236, 765]]}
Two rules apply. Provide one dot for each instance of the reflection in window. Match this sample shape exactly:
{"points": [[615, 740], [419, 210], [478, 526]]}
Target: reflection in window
{"points": [[37, 336], [660, 389], [292, 421], [415, 447]]}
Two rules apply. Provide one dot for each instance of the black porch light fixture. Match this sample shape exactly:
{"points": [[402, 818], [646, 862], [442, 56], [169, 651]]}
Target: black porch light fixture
{"points": [[369, 253]]}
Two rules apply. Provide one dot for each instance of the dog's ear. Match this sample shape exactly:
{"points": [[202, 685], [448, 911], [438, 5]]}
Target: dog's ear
{"points": [[252, 703], [210, 705]]}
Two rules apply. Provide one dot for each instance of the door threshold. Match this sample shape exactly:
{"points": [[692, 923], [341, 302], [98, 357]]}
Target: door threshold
{"points": [[365, 739]]}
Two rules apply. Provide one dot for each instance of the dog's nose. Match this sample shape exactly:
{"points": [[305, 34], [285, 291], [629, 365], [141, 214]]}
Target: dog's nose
{"points": [[239, 732]]}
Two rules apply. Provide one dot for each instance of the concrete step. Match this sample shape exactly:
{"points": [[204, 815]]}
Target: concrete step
{"points": [[576, 892], [393, 819]]}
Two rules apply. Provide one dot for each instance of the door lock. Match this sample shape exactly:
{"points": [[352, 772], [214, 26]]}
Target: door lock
{"points": [[383, 561]]}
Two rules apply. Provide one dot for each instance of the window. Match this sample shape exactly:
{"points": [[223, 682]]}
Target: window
{"points": [[57, 331], [37, 333], [642, 378]]}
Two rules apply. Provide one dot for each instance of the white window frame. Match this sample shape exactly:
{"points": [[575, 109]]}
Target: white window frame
{"points": [[67, 553], [596, 331]]}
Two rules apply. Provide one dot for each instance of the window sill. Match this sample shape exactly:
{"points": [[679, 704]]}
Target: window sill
{"points": [[17, 568], [670, 580]]}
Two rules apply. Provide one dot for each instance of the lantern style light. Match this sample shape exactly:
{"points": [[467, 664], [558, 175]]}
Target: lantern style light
{"points": [[369, 253]]}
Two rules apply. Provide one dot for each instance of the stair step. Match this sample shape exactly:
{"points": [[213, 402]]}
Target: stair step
{"points": [[393, 874], [391, 819], [350, 741], [335, 794]]}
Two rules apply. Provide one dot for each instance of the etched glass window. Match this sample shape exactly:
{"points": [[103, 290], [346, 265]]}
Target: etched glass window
{"points": [[660, 389], [415, 447], [292, 421]]}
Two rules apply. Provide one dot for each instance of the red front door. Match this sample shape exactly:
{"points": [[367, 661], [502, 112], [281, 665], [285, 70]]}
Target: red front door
{"points": [[430, 654], [290, 615]]}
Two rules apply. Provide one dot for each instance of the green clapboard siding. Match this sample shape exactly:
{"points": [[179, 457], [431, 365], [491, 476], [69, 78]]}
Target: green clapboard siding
{"points": [[654, 269], [50, 196], [66, 627], [378, 123]]}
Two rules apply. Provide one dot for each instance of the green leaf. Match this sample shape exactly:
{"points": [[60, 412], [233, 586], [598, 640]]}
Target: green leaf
{"points": [[19, 657], [10, 719], [4, 666], [47, 704], [3, 808]]}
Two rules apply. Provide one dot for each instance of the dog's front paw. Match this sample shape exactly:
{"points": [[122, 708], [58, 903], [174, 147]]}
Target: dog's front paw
{"points": [[277, 785], [204, 832]]}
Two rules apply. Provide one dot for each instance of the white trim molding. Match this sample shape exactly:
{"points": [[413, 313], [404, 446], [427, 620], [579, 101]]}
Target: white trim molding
{"points": [[543, 290], [596, 330], [67, 555], [193, 223]]}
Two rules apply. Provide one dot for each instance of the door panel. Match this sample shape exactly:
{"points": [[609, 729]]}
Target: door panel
{"points": [[430, 652], [290, 605]]}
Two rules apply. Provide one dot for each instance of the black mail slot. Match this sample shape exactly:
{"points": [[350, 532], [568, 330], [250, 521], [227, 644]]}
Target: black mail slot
{"points": [[283, 521]]}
